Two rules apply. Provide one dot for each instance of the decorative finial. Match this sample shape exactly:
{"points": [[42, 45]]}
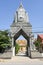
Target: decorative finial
{"points": [[21, 5]]}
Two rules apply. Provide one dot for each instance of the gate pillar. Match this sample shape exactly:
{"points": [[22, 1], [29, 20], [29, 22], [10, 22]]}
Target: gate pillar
{"points": [[13, 47]]}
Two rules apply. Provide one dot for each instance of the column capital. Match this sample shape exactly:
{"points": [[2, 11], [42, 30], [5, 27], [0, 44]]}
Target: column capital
{"points": [[31, 35], [12, 36]]}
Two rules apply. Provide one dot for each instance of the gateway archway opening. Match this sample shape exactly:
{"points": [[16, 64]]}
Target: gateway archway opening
{"points": [[21, 46]]}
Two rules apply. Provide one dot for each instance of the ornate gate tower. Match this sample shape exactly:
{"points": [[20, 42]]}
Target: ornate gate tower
{"points": [[21, 26]]}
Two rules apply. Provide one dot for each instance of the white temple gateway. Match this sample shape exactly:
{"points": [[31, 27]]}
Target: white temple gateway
{"points": [[21, 26]]}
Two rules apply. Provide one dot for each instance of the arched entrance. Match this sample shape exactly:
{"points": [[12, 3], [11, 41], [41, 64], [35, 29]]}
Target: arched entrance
{"points": [[21, 46], [21, 32], [21, 26]]}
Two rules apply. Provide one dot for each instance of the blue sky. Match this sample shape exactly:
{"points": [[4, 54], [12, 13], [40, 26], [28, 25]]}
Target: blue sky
{"points": [[33, 7]]}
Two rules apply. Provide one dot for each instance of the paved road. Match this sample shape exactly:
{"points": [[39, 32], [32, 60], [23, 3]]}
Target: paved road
{"points": [[23, 61]]}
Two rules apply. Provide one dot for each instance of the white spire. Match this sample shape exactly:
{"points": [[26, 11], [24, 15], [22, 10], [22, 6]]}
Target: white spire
{"points": [[21, 5], [21, 14]]}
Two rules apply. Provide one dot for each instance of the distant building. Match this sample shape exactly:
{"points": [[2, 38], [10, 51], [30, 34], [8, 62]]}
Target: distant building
{"points": [[22, 44], [40, 38]]}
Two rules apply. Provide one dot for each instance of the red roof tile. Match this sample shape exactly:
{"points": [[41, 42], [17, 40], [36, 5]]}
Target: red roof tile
{"points": [[41, 36]]}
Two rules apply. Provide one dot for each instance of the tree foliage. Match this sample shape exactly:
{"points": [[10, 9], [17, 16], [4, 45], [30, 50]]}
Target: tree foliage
{"points": [[17, 47], [37, 44], [4, 40]]}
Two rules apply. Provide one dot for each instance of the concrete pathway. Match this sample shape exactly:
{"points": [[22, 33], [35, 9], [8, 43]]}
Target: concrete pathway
{"points": [[20, 60], [23, 59], [21, 53]]}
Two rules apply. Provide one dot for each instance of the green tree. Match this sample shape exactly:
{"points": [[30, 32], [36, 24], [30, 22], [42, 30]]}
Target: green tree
{"points": [[37, 44], [17, 47], [4, 40]]}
